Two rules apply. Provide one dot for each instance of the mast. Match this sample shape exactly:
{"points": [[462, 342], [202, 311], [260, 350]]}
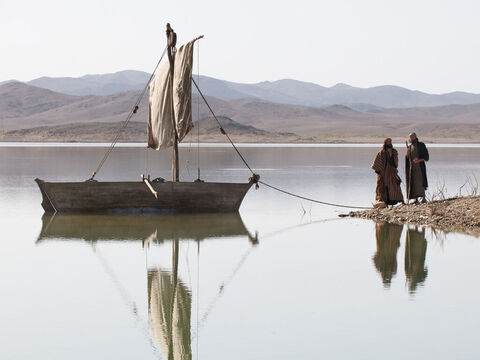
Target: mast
{"points": [[171, 42]]}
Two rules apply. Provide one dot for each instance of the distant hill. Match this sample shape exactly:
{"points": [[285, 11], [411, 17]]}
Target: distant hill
{"points": [[136, 132], [104, 84], [309, 94], [286, 91], [8, 81], [23, 106], [18, 99], [79, 132]]}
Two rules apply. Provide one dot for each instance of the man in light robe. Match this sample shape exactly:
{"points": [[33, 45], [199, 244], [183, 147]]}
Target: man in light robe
{"points": [[415, 169]]}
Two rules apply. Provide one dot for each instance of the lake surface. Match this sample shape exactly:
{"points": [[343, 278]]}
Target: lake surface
{"points": [[283, 280]]}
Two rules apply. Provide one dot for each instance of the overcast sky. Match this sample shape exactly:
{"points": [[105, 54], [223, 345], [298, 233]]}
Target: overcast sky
{"points": [[427, 45]]}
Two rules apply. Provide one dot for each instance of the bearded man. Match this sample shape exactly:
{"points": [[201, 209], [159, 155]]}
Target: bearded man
{"points": [[415, 169], [385, 164]]}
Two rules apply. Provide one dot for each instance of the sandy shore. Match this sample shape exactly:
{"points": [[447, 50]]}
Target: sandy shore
{"points": [[461, 214]]}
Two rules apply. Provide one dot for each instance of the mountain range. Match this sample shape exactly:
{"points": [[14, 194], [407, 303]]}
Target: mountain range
{"points": [[284, 91], [23, 106]]}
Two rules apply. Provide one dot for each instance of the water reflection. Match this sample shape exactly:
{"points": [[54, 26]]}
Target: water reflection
{"points": [[415, 252], [388, 242], [169, 298], [385, 259], [169, 310], [147, 228]]}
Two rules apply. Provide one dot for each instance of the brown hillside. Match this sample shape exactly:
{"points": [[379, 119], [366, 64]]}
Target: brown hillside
{"points": [[24, 106]]}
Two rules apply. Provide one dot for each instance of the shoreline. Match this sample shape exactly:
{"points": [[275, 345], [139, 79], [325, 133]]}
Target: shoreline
{"points": [[457, 214], [225, 144]]}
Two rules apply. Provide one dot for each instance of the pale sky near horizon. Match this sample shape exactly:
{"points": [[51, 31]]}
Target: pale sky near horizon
{"points": [[424, 45]]}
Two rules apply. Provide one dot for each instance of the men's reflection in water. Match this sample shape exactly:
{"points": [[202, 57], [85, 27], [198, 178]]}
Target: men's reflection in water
{"points": [[415, 252], [388, 242]]}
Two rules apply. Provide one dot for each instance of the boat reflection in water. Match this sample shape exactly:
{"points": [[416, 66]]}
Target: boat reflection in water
{"points": [[169, 298], [385, 259], [160, 228]]}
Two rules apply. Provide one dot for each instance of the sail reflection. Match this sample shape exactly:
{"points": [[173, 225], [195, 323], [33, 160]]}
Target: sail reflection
{"points": [[169, 310], [388, 242], [94, 228], [415, 252]]}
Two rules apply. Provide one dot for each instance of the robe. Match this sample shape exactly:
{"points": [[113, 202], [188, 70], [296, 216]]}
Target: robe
{"points": [[418, 175], [388, 182]]}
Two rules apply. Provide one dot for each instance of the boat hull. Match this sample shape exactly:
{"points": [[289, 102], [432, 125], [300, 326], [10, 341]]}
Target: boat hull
{"points": [[131, 197]]}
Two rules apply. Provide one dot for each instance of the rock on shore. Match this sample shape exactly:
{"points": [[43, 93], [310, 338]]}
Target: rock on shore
{"points": [[461, 214]]}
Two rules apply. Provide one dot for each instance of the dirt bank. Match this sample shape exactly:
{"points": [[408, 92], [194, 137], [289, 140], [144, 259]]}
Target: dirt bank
{"points": [[460, 214]]}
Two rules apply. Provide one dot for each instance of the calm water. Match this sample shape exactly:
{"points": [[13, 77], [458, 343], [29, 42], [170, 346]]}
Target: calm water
{"points": [[284, 280]]}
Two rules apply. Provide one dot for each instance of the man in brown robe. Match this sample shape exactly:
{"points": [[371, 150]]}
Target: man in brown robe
{"points": [[388, 182]]}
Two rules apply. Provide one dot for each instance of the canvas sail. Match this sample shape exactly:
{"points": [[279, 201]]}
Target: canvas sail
{"points": [[170, 104]]}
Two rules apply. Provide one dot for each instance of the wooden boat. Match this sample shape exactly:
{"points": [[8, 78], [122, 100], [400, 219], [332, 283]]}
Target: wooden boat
{"points": [[118, 197], [170, 120]]}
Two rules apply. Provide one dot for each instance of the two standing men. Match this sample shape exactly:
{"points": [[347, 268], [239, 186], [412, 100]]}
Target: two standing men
{"points": [[388, 190]]}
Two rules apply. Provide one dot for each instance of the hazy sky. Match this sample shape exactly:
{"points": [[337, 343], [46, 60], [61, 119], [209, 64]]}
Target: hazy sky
{"points": [[427, 45]]}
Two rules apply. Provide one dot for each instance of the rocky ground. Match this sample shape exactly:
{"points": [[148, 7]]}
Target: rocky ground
{"points": [[460, 214]]}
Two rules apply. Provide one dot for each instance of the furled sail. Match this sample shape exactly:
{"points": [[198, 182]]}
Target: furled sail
{"points": [[170, 105]]}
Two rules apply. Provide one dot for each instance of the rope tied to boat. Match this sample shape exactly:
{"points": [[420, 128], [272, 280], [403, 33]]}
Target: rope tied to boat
{"points": [[255, 178]]}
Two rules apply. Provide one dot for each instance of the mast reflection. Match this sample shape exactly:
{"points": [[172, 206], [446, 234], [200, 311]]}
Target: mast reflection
{"points": [[169, 310]]}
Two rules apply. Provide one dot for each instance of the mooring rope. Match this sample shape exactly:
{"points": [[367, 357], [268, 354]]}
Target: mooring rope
{"points": [[312, 200], [127, 120], [256, 179]]}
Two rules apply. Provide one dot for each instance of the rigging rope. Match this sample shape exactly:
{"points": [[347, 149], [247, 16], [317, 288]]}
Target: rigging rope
{"points": [[222, 130], [127, 300], [127, 120], [256, 178]]}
